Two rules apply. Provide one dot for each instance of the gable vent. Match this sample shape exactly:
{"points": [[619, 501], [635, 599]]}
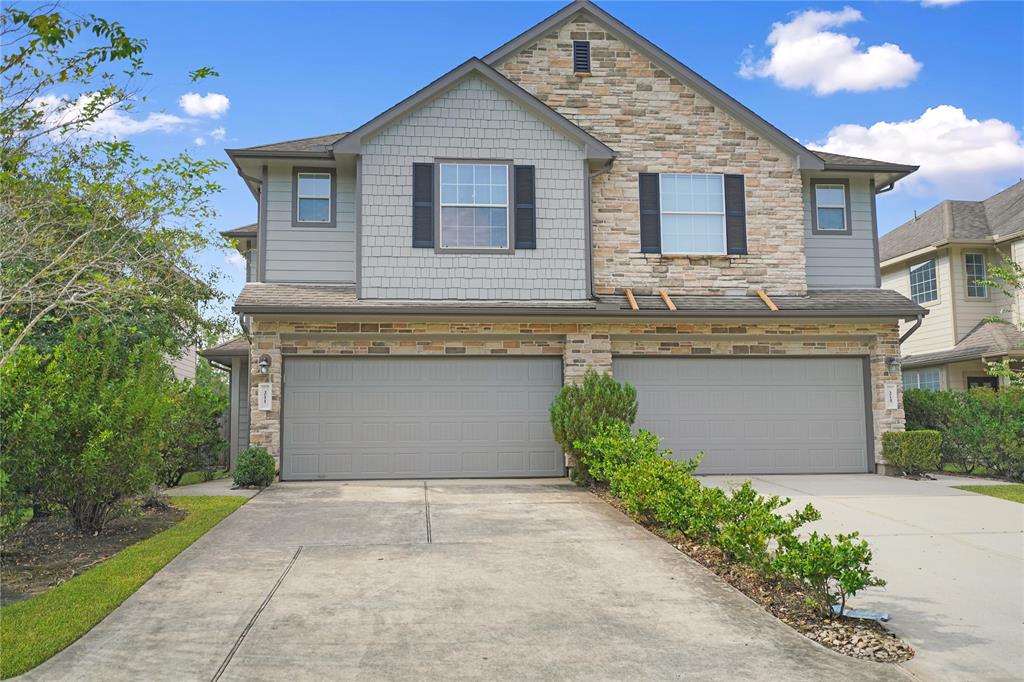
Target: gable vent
{"points": [[581, 56]]}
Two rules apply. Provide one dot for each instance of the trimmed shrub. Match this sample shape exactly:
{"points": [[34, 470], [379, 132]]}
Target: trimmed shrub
{"points": [[913, 452], [612, 446], [998, 419], [194, 440], [830, 570], [750, 526], [579, 410], [254, 468]]}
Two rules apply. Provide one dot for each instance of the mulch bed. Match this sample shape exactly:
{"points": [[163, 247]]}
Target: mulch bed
{"points": [[47, 552], [786, 601]]}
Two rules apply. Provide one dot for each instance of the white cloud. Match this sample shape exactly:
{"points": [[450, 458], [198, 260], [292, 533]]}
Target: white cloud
{"points": [[959, 156], [235, 260], [199, 141], [212, 104], [111, 123], [218, 133], [940, 3], [806, 55]]}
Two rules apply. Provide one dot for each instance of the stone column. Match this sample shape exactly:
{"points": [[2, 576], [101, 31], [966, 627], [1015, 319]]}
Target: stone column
{"points": [[265, 425], [583, 351], [885, 345]]}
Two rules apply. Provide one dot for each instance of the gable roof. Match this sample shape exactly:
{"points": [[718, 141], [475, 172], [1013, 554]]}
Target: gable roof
{"points": [[988, 339], [998, 216], [595, 149], [806, 159]]}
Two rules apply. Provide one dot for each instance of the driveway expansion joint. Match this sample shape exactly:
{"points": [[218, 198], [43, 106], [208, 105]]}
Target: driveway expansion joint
{"points": [[426, 508], [252, 621]]}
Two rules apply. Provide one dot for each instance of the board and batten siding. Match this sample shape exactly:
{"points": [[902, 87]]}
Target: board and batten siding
{"points": [[936, 331], [842, 261], [239, 407], [472, 120], [309, 254]]}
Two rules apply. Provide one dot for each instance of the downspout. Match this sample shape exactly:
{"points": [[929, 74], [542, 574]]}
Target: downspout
{"points": [[590, 227], [920, 319]]}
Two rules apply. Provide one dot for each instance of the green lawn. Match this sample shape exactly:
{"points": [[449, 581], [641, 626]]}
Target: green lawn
{"points": [[1010, 491], [197, 477], [951, 468], [35, 629]]}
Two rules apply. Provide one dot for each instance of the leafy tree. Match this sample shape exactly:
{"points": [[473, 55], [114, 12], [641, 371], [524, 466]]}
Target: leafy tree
{"points": [[1007, 277], [194, 438], [90, 226]]}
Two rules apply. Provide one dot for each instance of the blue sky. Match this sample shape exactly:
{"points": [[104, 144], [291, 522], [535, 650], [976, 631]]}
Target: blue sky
{"points": [[296, 69]]}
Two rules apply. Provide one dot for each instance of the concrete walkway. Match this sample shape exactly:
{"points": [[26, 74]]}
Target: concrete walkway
{"points": [[954, 562], [529, 580]]}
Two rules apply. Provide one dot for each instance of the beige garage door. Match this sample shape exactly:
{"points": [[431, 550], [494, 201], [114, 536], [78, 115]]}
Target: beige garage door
{"points": [[369, 418], [755, 415]]}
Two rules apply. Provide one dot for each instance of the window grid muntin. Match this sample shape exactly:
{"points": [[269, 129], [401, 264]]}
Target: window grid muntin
{"points": [[975, 268], [707, 215], [929, 379], [462, 200], [300, 197], [841, 207], [924, 282]]}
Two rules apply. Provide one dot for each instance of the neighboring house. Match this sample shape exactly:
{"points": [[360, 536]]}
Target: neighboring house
{"points": [[422, 286], [184, 365], [941, 260]]}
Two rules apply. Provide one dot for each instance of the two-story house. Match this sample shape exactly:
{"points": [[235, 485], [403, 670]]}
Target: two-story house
{"points": [[422, 286], [941, 260]]}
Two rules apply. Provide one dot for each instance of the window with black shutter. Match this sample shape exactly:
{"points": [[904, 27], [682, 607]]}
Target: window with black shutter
{"points": [[581, 56], [423, 205], [735, 216], [650, 214]]}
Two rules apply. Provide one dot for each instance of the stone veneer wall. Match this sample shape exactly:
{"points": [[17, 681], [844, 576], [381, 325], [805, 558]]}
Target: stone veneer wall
{"points": [[656, 124], [582, 345]]}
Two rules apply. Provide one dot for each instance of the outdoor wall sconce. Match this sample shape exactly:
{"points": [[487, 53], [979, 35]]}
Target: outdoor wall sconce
{"points": [[892, 363], [264, 364]]}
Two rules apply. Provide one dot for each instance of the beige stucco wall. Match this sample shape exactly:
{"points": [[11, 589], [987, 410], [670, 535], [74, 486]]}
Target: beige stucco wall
{"points": [[654, 123], [582, 345]]}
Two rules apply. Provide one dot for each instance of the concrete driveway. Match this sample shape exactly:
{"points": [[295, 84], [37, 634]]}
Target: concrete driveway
{"points": [[444, 580], [954, 562]]}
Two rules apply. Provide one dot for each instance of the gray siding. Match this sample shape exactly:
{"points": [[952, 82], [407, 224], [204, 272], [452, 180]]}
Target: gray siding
{"points": [[239, 439], [309, 254], [251, 259], [472, 120], [842, 261]]}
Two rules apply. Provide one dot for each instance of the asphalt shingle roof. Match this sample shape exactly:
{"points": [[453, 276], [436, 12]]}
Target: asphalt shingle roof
{"points": [[245, 231], [236, 346], [1000, 214], [986, 340], [319, 143], [854, 162]]}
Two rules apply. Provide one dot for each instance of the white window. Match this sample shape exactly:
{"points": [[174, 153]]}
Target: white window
{"points": [[929, 378], [923, 285], [830, 207], [313, 198], [974, 263], [692, 214], [474, 206]]}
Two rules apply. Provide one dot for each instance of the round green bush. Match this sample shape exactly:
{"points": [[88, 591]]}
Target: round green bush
{"points": [[255, 468], [913, 452]]}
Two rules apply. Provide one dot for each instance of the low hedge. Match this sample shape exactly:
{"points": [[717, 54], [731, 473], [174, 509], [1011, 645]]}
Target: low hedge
{"points": [[979, 428], [913, 452], [745, 525]]}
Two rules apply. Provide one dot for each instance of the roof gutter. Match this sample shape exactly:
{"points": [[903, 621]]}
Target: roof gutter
{"points": [[914, 328]]}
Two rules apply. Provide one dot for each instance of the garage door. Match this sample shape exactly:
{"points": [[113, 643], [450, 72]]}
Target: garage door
{"points": [[365, 418], [755, 415]]}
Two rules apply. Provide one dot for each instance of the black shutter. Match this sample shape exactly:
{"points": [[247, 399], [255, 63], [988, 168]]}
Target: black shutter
{"points": [[735, 216], [526, 208], [650, 214], [423, 205], [581, 56]]}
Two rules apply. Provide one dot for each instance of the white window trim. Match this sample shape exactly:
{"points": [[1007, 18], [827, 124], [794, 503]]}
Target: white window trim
{"points": [[967, 276], [441, 205], [299, 196], [842, 206], [663, 212], [910, 286], [915, 378]]}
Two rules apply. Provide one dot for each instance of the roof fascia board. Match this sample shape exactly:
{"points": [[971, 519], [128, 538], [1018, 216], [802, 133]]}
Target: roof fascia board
{"points": [[804, 159], [994, 240], [351, 143], [896, 260], [260, 154]]}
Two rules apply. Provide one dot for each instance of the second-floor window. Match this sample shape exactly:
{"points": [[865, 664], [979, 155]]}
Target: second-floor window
{"points": [[313, 198], [474, 206], [692, 214], [923, 283], [830, 207], [974, 265]]}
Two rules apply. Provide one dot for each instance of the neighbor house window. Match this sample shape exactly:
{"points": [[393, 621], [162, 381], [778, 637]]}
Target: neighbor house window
{"points": [[692, 214], [581, 56], [923, 285], [930, 378], [314, 201], [474, 206], [830, 207], [974, 263]]}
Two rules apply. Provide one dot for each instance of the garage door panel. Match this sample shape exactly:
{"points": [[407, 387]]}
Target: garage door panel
{"points": [[419, 417], [754, 415]]}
